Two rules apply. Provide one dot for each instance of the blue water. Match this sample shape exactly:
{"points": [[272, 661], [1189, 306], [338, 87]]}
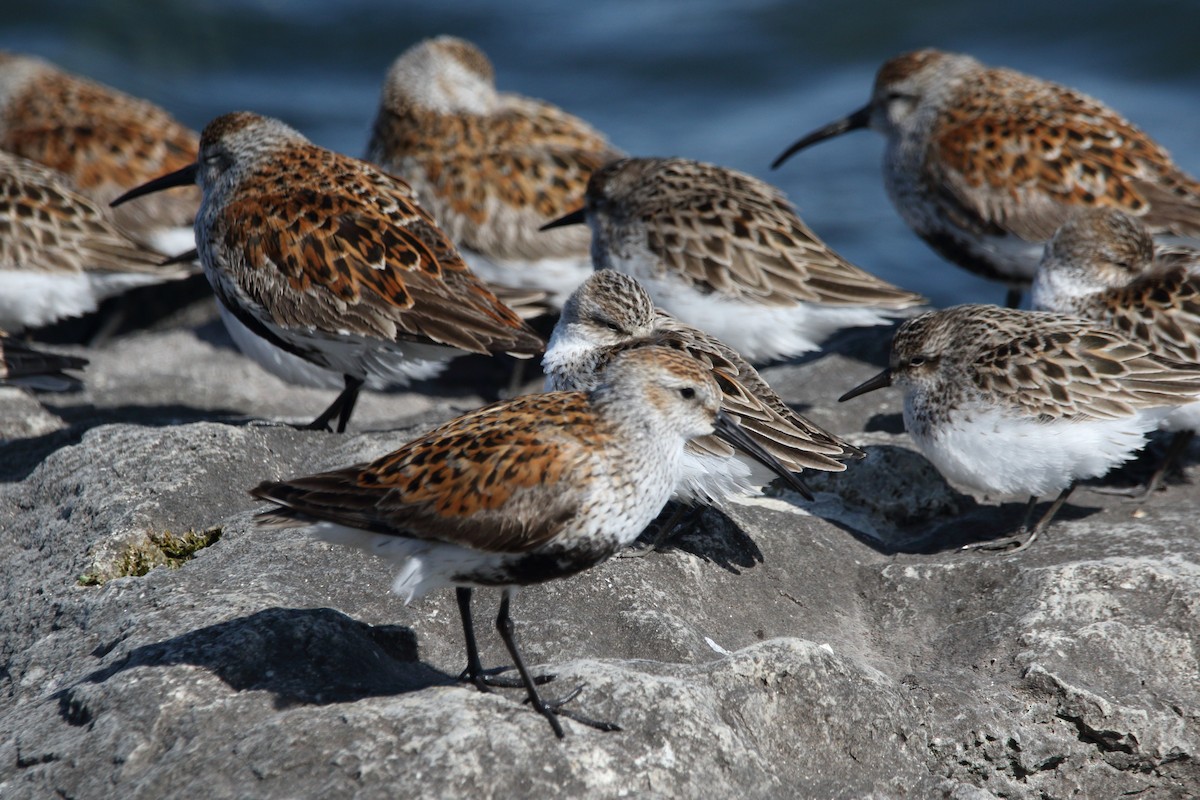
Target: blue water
{"points": [[732, 83]]}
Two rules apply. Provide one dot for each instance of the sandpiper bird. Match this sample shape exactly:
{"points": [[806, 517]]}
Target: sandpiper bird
{"points": [[491, 167], [1103, 265], [327, 269], [520, 492], [60, 252], [985, 163], [611, 313], [1026, 402], [725, 252], [22, 365], [103, 140]]}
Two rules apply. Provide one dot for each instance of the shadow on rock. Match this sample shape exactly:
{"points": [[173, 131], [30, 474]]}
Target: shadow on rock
{"points": [[19, 457], [301, 655], [708, 533]]}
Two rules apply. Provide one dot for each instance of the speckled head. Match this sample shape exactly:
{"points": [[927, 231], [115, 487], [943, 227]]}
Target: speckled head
{"points": [[912, 82], [1100, 246], [665, 383], [17, 71], [446, 75], [609, 308], [909, 90]]}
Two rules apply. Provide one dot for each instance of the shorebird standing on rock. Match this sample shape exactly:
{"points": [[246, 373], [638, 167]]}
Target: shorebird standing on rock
{"points": [[520, 492], [327, 270], [1028, 402]]}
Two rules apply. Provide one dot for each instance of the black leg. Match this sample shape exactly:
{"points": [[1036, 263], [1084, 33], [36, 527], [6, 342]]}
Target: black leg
{"points": [[351, 394], [1019, 542], [553, 710], [482, 679], [474, 671], [348, 395], [1013, 297]]}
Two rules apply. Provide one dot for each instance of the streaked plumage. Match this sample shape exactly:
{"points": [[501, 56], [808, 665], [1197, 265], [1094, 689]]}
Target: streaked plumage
{"points": [[1022, 402], [333, 262], [985, 163], [725, 252], [103, 140], [611, 313], [1103, 265], [492, 167], [520, 492], [61, 254]]}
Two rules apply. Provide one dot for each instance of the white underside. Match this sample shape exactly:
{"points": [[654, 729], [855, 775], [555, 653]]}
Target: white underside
{"points": [[1184, 418], [380, 367], [707, 478], [32, 299], [993, 452], [424, 565], [759, 332], [172, 241], [557, 276]]}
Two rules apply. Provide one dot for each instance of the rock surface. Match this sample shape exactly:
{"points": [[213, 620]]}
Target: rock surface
{"points": [[844, 648]]}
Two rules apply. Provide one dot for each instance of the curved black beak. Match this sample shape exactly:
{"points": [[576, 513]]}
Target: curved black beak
{"points": [[576, 217], [859, 119], [728, 429], [880, 381], [180, 177]]}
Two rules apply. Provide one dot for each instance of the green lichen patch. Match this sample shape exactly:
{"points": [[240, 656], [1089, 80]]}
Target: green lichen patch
{"points": [[164, 549]]}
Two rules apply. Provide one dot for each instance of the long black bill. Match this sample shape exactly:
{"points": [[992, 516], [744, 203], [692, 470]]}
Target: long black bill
{"points": [[859, 119], [727, 429], [180, 177], [880, 381], [576, 217]]}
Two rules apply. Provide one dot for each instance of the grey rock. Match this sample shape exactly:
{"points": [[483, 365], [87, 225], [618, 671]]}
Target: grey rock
{"points": [[843, 648]]}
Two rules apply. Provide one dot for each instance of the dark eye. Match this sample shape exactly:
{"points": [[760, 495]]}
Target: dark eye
{"points": [[612, 326], [917, 361], [687, 393]]}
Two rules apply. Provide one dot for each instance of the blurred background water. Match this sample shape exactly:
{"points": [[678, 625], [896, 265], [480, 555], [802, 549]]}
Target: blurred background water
{"points": [[728, 82]]}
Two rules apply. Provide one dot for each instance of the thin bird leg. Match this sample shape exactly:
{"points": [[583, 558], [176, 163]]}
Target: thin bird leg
{"points": [[1007, 541], [483, 679], [348, 394], [1019, 542], [1012, 299], [352, 385], [552, 710]]}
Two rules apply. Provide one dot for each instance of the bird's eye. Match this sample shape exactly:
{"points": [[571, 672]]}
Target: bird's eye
{"points": [[917, 361], [687, 393], [612, 326]]}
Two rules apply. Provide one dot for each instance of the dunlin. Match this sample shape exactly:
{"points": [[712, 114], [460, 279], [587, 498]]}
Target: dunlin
{"points": [[60, 252], [327, 269], [103, 140], [22, 365], [1024, 402], [725, 252], [1103, 265], [985, 163], [524, 491], [492, 167], [611, 313]]}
